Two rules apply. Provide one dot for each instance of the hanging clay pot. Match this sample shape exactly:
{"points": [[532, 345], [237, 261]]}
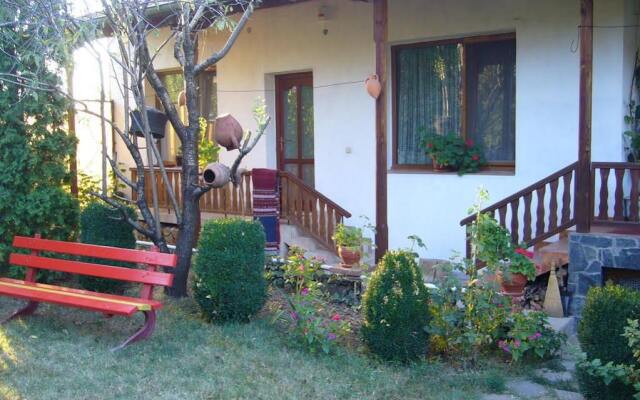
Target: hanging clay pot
{"points": [[216, 175], [373, 86], [228, 132]]}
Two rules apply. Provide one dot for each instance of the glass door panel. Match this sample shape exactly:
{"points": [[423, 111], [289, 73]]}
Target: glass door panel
{"points": [[294, 125]]}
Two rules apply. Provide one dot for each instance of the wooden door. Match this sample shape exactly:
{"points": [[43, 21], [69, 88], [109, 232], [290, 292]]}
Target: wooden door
{"points": [[294, 125]]}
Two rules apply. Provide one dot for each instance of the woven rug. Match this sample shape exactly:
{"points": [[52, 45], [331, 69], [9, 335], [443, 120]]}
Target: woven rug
{"points": [[266, 205]]}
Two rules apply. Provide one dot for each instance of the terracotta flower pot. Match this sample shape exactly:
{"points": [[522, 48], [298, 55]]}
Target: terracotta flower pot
{"points": [[228, 132], [373, 86], [440, 167], [514, 287], [349, 256]]}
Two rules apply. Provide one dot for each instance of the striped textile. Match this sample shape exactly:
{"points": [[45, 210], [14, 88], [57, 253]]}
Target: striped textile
{"points": [[266, 205]]}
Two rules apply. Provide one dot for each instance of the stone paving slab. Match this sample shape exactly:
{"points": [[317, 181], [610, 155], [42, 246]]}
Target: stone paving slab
{"points": [[554, 376], [566, 395], [526, 389]]}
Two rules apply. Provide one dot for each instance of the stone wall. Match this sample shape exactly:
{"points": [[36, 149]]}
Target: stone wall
{"points": [[589, 253]]}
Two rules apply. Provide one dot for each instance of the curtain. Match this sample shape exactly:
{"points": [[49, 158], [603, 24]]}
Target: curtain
{"points": [[491, 103], [429, 97]]}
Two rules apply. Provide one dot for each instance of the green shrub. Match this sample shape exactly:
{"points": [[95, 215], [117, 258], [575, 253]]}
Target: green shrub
{"points": [[102, 225], [229, 282], [395, 309], [600, 331]]}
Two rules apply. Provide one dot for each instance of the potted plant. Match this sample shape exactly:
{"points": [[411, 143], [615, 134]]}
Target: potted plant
{"points": [[452, 153], [511, 264], [445, 151], [349, 241]]}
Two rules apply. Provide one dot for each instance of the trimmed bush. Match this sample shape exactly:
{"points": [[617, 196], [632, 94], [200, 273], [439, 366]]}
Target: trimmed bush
{"points": [[102, 225], [395, 309], [229, 282], [604, 317]]}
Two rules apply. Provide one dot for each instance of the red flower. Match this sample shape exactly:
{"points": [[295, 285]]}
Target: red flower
{"points": [[430, 145], [469, 142], [336, 317], [524, 252], [475, 157]]}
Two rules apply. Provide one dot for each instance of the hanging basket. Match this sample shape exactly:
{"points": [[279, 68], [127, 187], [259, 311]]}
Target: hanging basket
{"points": [[157, 122]]}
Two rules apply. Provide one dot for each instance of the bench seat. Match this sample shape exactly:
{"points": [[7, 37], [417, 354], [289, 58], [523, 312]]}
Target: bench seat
{"points": [[100, 302]]}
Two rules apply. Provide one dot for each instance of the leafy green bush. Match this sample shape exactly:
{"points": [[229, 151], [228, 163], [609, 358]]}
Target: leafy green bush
{"points": [[34, 147], [600, 332], [102, 225], [229, 282], [395, 309]]}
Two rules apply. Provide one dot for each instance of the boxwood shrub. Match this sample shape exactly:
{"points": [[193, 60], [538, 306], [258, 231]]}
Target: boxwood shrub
{"points": [[604, 317], [229, 282], [395, 309], [102, 225]]}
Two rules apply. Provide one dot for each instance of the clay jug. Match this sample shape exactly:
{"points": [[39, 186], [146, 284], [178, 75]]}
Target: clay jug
{"points": [[228, 132], [216, 175], [373, 86]]}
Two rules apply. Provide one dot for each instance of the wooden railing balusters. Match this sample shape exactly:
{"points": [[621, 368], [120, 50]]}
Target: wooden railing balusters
{"points": [[634, 196], [540, 210], [618, 208], [553, 204]]}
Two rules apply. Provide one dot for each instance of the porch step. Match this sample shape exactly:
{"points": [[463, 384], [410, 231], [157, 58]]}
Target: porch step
{"points": [[291, 236], [551, 255]]}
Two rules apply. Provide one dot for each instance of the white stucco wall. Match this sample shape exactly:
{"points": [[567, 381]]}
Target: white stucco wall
{"points": [[290, 39], [431, 205]]}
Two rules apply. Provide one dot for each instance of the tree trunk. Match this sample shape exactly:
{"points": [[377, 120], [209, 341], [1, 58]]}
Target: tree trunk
{"points": [[190, 217]]}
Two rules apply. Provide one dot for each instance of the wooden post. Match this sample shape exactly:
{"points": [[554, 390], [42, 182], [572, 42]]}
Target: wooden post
{"points": [[380, 32], [71, 126], [583, 208]]}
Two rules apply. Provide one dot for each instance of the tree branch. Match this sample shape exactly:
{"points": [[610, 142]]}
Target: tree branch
{"points": [[215, 57]]}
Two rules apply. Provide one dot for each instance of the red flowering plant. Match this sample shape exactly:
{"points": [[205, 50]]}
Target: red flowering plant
{"points": [[451, 152], [472, 158], [312, 321]]}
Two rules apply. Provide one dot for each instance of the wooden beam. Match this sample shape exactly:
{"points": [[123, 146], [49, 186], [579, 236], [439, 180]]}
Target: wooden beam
{"points": [[380, 33], [583, 195]]}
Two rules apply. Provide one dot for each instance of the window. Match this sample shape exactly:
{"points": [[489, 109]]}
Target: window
{"points": [[465, 87]]}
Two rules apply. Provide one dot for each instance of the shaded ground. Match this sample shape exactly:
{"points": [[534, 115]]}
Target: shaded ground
{"points": [[64, 353]]}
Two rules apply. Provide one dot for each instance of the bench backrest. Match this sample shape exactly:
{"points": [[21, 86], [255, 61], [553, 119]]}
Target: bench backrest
{"points": [[149, 277]]}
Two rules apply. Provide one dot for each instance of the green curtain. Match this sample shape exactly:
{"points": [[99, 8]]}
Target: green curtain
{"points": [[429, 97]]}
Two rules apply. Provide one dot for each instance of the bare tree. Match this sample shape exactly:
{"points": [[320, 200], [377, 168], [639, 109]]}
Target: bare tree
{"points": [[130, 23]]}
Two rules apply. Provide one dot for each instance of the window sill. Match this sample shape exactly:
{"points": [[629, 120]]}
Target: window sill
{"points": [[491, 171]]}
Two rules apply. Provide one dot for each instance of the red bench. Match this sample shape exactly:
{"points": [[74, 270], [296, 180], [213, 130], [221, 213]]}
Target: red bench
{"points": [[108, 304]]}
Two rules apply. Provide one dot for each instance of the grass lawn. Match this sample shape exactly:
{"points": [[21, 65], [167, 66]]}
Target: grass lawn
{"points": [[64, 354]]}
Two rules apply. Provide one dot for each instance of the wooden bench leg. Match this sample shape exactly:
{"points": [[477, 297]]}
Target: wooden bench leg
{"points": [[143, 333], [29, 309]]}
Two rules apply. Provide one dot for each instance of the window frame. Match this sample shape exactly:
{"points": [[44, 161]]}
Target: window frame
{"points": [[503, 166]]}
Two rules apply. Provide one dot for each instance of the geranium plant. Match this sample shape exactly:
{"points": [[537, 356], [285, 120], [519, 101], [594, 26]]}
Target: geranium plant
{"points": [[348, 236], [453, 153]]}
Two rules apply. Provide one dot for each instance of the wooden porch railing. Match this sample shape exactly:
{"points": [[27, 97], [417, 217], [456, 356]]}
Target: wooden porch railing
{"points": [[617, 193], [301, 205], [553, 212], [309, 210], [230, 200]]}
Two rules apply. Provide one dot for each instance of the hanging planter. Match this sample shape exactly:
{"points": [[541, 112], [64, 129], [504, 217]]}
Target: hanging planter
{"points": [[373, 86], [216, 175], [228, 132], [157, 122]]}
